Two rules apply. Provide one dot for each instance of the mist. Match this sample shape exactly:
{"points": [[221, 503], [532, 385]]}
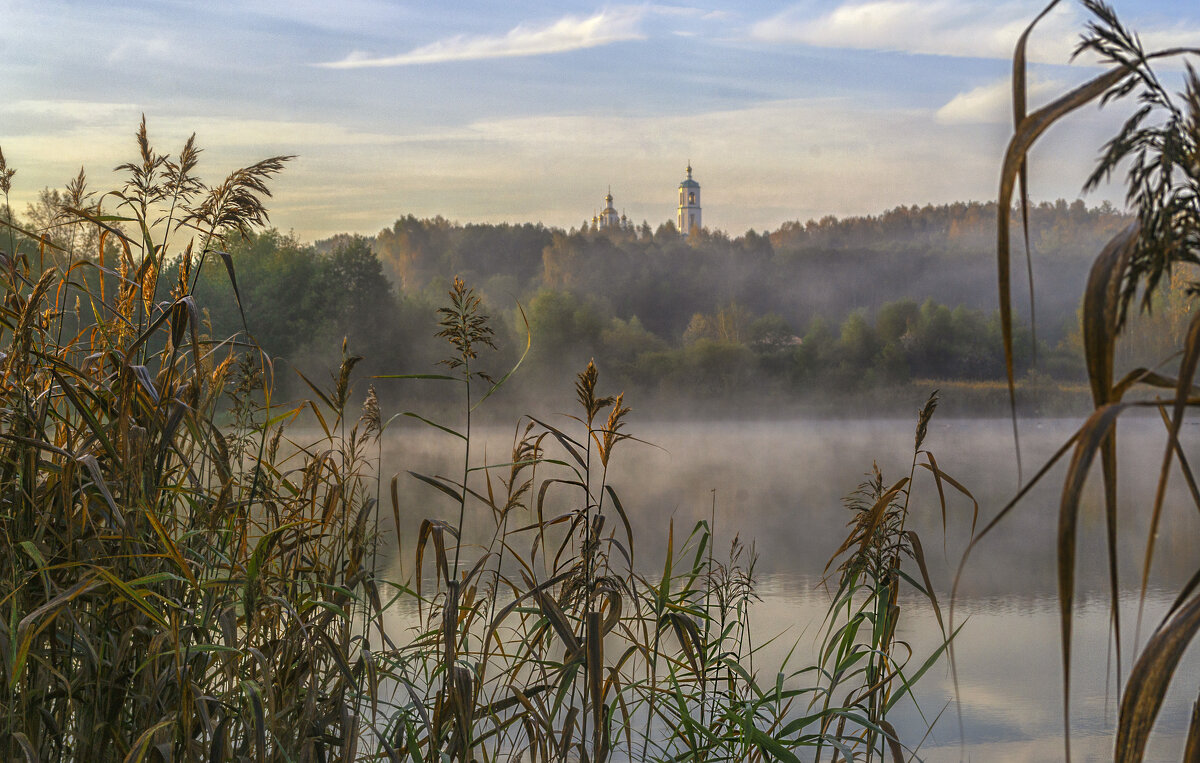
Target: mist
{"points": [[871, 311], [779, 486]]}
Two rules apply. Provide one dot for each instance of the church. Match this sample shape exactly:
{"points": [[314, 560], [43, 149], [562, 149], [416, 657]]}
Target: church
{"points": [[689, 204], [687, 216], [608, 219]]}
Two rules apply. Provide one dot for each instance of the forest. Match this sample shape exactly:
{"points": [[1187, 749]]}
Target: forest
{"points": [[811, 311], [788, 313]]}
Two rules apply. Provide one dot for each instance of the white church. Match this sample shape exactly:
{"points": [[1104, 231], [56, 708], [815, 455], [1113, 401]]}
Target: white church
{"points": [[689, 204], [687, 218], [608, 219]]}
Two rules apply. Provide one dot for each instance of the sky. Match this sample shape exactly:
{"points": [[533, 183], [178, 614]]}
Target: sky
{"points": [[523, 111]]}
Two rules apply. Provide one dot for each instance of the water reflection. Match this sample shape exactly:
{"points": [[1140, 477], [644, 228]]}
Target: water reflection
{"points": [[1009, 674], [780, 484]]}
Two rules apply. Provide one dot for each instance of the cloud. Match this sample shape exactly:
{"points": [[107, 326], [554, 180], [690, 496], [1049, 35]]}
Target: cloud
{"points": [[51, 139], [992, 103], [71, 109], [1176, 36], [962, 28], [959, 28], [565, 34], [760, 165], [134, 49]]}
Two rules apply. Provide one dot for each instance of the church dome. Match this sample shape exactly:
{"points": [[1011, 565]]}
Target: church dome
{"points": [[688, 182]]}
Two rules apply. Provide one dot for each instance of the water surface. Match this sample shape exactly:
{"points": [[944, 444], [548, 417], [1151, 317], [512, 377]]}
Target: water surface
{"points": [[778, 486]]}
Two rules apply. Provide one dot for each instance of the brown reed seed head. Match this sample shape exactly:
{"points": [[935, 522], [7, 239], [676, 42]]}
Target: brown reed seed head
{"points": [[923, 419], [142, 188], [464, 325], [371, 419], [585, 392], [341, 391], [181, 185], [612, 430], [6, 175]]}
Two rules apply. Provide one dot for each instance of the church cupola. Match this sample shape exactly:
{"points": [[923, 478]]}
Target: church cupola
{"points": [[608, 218], [689, 204]]}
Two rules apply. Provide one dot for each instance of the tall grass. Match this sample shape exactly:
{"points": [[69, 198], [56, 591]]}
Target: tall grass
{"points": [[1158, 145], [190, 575], [172, 587], [861, 657], [550, 642]]}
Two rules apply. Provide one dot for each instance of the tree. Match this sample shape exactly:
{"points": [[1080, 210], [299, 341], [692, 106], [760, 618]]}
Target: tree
{"points": [[410, 249], [565, 331], [857, 344], [770, 334], [896, 320], [357, 277], [624, 342]]}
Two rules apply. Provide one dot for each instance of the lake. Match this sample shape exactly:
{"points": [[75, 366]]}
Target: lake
{"points": [[779, 485]]}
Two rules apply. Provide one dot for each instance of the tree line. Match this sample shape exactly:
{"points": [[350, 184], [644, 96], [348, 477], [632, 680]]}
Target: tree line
{"points": [[825, 306]]}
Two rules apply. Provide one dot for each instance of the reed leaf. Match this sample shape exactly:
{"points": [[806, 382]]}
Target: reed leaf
{"points": [[141, 745], [1149, 679], [435, 425], [1135, 258], [1093, 437], [1191, 750], [1025, 134], [1183, 391], [1020, 109]]}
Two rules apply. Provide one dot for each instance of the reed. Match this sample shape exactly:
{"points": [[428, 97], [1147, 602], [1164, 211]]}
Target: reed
{"points": [[192, 575], [591, 659], [861, 658], [173, 586], [1158, 145]]}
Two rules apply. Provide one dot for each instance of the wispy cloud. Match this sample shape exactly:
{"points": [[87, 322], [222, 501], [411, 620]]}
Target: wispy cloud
{"points": [[72, 109], [962, 28], [134, 49], [1175, 36], [992, 103], [565, 34], [760, 165]]}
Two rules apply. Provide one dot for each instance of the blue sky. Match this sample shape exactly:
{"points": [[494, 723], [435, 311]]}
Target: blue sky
{"points": [[523, 111]]}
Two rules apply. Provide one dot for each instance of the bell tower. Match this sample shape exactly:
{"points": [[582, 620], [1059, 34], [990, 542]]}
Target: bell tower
{"points": [[689, 204]]}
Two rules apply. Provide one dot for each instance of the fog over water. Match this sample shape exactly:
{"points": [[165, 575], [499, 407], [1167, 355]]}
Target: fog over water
{"points": [[779, 485]]}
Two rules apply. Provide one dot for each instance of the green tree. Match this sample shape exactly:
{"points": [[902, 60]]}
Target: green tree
{"points": [[356, 276], [624, 341], [283, 292], [857, 343], [896, 319], [814, 356], [565, 331]]}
